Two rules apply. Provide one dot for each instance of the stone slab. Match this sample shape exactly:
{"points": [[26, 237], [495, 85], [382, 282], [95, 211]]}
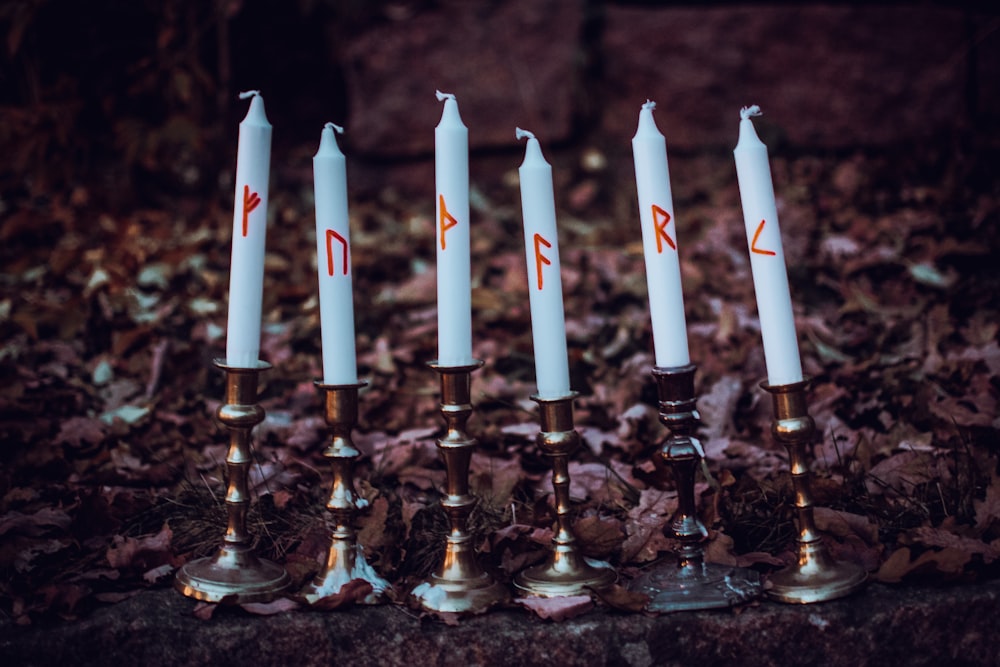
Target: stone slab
{"points": [[906, 625]]}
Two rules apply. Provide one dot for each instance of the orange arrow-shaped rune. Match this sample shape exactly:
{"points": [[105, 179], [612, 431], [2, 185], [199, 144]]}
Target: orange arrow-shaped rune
{"points": [[660, 221], [250, 202], [445, 220], [753, 245], [539, 257], [330, 236]]}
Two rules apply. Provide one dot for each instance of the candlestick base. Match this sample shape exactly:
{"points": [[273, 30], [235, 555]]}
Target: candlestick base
{"points": [[691, 583], [345, 560], [459, 585], [232, 576], [816, 577], [565, 572], [235, 575]]}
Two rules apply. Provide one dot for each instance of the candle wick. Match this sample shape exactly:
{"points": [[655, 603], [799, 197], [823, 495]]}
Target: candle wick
{"points": [[521, 134], [249, 93], [443, 96], [746, 112], [333, 126], [649, 104]]}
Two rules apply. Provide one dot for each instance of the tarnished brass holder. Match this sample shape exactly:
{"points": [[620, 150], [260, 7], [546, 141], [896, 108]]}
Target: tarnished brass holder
{"points": [[816, 576], [565, 571], [691, 583], [234, 574], [345, 560], [459, 585]]}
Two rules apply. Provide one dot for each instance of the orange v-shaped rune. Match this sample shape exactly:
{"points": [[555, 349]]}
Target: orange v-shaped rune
{"points": [[660, 221], [540, 259], [753, 245], [250, 202], [445, 220], [330, 236]]}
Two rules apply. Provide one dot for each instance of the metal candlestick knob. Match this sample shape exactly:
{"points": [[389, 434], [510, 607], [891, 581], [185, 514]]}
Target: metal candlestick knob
{"points": [[345, 561], [235, 574], [459, 585], [816, 576], [691, 583], [565, 572]]}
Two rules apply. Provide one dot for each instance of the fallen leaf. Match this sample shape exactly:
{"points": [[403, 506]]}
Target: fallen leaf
{"points": [[557, 608]]}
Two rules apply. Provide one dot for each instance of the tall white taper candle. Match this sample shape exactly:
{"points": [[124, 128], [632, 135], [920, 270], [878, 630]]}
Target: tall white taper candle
{"points": [[333, 254], [246, 273], [767, 258], [541, 249]]}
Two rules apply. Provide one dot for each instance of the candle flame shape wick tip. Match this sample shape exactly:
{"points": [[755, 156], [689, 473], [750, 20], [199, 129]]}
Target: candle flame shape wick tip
{"points": [[443, 96], [334, 126], [753, 110], [249, 93], [521, 134]]}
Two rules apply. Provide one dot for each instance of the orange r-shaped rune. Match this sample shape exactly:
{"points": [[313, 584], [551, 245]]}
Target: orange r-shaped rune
{"points": [[540, 259], [330, 236], [660, 221], [250, 202], [445, 219], [753, 244]]}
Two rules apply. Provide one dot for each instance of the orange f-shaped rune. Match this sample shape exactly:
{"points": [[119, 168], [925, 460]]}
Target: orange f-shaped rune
{"points": [[330, 236], [250, 202], [540, 258], [753, 245], [660, 221], [445, 219]]}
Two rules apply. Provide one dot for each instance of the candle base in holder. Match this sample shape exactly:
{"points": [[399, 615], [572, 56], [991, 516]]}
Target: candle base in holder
{"points": [[235, 575], [691, 583], [816, 576], [565, 572], [459, 585], [345, 560]]}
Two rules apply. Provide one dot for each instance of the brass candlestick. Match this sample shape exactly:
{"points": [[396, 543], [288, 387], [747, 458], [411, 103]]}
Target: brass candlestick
{"points": [[816, 576], [566, 571], [691, 583], [345, 560], [459, 585], [235, 574]]}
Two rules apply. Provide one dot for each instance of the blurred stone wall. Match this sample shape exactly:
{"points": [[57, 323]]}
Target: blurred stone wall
{"points": [[826, 76]]}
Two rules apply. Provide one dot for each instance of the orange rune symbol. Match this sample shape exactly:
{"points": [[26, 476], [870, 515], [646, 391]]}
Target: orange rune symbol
{"points": [[250, 202], [660, 221], [539, 257], [330, 236], [445, 219], [753, 245]]}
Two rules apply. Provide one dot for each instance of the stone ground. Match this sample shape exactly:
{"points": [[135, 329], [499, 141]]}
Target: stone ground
{"points": [[883, 625]]}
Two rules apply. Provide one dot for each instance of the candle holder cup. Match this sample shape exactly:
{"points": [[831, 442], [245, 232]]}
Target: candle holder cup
{"points": [[816, 576], [345, 561], [565, 572], [234, 574], [459, 585], [691, 583]]}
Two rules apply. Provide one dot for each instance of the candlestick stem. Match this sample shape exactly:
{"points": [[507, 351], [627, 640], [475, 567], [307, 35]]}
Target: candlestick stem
{"points": [[566, 571], [235, 574], [691, 583], [816, 576], [345, 561], [459, 585]]}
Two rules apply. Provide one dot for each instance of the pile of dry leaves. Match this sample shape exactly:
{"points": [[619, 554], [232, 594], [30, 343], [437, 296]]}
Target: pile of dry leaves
{"points": [[112, 464]]}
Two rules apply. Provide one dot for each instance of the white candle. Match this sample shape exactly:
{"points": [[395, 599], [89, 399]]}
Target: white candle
{"points": [[333, 252], [541, 249], [659, 242], [454, 292], [767, 259], [246, 274]]}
